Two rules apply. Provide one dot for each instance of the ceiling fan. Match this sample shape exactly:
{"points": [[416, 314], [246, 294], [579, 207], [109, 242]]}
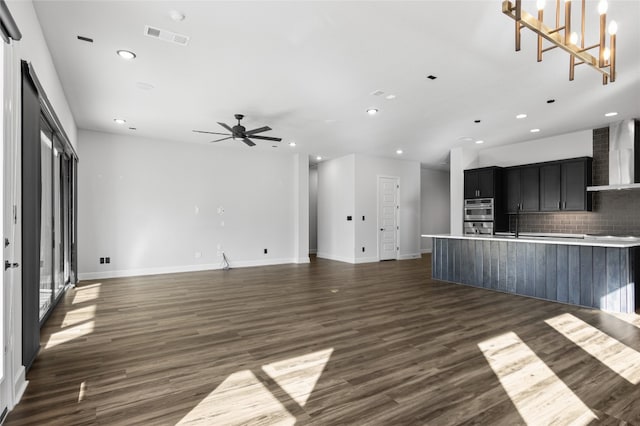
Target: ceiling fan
{"points": [[240, 133]]}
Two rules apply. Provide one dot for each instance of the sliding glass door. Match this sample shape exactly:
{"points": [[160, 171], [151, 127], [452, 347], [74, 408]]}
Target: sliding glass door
{"points": [[56, 219]]}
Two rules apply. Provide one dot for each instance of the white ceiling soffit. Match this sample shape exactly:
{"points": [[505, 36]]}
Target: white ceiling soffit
{"points": [[311, 70]]}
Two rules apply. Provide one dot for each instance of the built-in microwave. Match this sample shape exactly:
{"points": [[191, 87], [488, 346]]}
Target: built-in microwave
{"points": [[478, 209]]}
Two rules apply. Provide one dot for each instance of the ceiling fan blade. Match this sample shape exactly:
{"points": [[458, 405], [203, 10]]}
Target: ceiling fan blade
{"points": [[210, 133], [248, 142], [226, 126], [266, 138], [260, 130], [223, 139]]}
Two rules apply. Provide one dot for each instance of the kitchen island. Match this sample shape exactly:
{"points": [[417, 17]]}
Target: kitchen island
{"points": [[593, 272]]}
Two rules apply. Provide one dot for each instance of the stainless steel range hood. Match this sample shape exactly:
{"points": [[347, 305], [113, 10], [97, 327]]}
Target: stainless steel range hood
{"points": [[624, 157]]}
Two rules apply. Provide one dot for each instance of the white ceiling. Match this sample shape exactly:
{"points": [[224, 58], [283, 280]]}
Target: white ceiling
{"points": [[307, 69]]}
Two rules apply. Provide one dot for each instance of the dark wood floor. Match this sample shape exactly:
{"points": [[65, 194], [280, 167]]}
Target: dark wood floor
{"points": [[386, 344]]}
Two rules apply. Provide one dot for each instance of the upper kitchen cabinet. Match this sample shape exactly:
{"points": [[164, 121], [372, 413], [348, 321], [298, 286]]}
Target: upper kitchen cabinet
{"points": [[523, 189], [482, 183], [563, 185]]}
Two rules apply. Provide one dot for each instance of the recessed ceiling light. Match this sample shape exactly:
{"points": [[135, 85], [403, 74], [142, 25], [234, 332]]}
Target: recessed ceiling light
{"points": [[519, 116], [480, 141], [431, 77], [144, 86], [126, 54], [611, 114], [399, 151], [391, 97], [292, 143], [318, 158], [534, 130], [372, 111], [176, 15], [119, 120]]}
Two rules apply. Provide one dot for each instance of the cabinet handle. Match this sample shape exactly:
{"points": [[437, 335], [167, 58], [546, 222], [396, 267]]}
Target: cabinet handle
{"points": [[559, 204], [565, 205]]}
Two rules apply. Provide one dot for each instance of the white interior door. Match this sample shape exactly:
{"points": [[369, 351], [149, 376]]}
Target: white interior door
{"points": [[388, 188], [8, 170]]}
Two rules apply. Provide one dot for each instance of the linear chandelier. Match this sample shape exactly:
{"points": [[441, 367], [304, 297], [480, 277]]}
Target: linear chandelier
{"points": [[561, 36]]}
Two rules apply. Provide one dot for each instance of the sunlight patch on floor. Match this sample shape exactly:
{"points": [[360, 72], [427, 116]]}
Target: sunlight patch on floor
{"points": [[537, 392], [86, 293], [614, 354], [70, 333], [240, 400], [78, 315], [298, 376]]}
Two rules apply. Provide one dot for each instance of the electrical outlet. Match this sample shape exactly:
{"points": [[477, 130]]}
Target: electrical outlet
{"points": [[107, 260], [102, 260], [265, 251]]}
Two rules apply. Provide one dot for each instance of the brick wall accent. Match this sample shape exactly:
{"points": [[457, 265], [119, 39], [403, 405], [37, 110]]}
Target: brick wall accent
{"points": [[614, 212]]}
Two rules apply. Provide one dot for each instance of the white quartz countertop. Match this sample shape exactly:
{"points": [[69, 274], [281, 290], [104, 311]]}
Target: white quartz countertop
{"points": [[567, 239]]}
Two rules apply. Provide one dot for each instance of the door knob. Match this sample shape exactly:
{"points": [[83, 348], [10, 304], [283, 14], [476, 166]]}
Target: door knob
{"points": [[8, 265]]}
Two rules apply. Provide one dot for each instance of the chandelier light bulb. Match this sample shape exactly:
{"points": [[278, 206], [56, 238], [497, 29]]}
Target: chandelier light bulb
{"points": [[613, 28], [602, 7], [573, 38], [540, 4], [606, 53]]}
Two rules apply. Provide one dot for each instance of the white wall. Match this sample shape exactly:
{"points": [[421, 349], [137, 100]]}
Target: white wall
{"points": [[348, 186], [367, 171], [460, 159], [152, 206], [31, 48], [570, 145], [313, 209], [336, 201], [435, 202], [300, 207]]}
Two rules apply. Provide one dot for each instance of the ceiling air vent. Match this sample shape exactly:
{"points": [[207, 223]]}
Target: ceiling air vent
{"points": [[166, 35]]}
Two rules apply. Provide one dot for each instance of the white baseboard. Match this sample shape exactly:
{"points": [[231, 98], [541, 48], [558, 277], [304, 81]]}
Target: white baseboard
{"points": [[338, 258], [366, 260], [409, 256], [302, 260], [19, 387], [187, 268]]}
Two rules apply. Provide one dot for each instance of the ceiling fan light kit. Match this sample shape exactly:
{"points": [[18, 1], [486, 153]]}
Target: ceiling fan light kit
{"points": [[240, 133], [562, 36]]}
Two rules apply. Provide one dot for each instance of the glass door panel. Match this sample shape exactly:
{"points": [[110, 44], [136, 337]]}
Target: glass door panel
{"points": [[66, 219], [57, 219], [46, 242]]}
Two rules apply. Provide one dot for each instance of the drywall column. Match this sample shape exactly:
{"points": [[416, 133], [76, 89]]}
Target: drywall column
{"points": [[435, 210], [460, 159], [301, 208]]}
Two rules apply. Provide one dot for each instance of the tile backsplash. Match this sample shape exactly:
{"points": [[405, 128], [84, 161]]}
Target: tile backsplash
{"points": [[614, 212]]}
